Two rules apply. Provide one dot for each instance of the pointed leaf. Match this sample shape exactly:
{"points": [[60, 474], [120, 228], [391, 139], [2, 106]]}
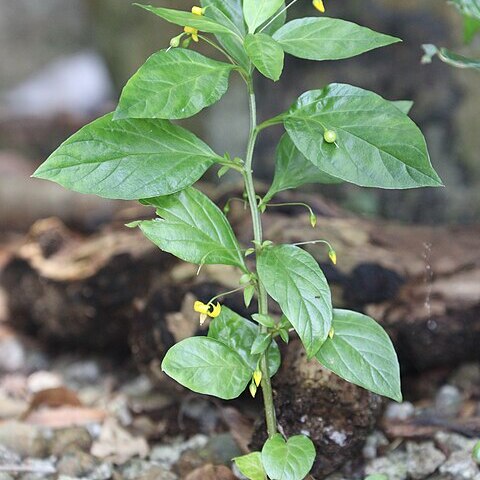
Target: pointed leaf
{"points": [[239, 334], [251, 466], [257, 12], [291, 460], [174, 84], [377, 144], [194, 229], [205, 365], [447, 56], [229, 14], [328, 38], [362, 353], [128, 159], [261, 343], [293, 169], [403, 105], [293, 278], [181, 18], [266, 54]]}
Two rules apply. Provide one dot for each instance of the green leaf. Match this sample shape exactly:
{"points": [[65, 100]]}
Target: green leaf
{"points": [[248, 294], [229, 14], [205, 365], [128, 159], [264, 320], [239, 334], [377, 144], [362, 353], [174, 84], [181, 18], [471, 26], [257, 12], [316, 38], [470, 8], [277, 21], [293, 169], [261, 343], [403, 105], [266, 54], [449, 57], [293, 278], [194, 229], [251, 466], [291, 460]]}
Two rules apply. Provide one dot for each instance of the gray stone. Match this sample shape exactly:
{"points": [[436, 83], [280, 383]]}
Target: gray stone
{"points": [[76, 464], [466, 377], [374, 441], [12, 354], [423, 459], [5, 476], [24, 439], [453, 442], [394, 466], [70, 439], [168, 454], [8, 456], [448, 401], [460, 466], [399, 411]]}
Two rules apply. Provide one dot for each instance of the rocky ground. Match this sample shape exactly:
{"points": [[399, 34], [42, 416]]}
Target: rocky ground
{"points": [[69, 417]]}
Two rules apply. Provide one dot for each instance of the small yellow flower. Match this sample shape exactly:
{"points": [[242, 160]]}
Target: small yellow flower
{"points": [[257, 377], [318, 4], [193, 32], [332, 254], [198, 11], [331, 333], [207, 310]]}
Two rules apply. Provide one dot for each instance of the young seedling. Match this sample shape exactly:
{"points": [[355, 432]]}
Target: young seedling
{"points": [[338, 133]]}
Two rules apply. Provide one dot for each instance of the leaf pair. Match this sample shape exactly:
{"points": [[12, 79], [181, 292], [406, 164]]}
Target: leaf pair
{"points": [[220, 364], [279, 459]]}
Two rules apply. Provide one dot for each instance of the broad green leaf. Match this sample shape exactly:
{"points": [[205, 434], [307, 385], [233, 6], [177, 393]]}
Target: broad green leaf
{"points": [[471, 8], [174, 84], [193, 228], [264, 320], [266, 54], [261, 343], [293, 169], [328, 38], [471, 26], [128, 159], [449, 57], [181, 18], [229, 14], [239, 334], [293, 278], [251, 466], [290, 460], [277, 21], [205, 365], [377, 144], [403, 105], [362, 353], [256, 12]]}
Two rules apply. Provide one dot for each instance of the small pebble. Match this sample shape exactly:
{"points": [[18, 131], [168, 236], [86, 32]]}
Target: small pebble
{"points": [[399, 411], [423, 459], [448, 401], [460, 466]]}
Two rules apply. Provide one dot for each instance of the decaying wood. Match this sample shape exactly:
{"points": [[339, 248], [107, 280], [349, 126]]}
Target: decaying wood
{"points": [[112, 288]]}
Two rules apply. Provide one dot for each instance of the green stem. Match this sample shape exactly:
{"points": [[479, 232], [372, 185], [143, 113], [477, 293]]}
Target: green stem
{"points": [[258, 237]]}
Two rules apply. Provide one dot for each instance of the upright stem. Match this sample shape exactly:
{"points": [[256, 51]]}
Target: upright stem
{"points": [[258, 236]]}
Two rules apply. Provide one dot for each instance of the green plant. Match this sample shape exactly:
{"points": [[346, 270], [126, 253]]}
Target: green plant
{"points": [[339, 133], [470, 10]]}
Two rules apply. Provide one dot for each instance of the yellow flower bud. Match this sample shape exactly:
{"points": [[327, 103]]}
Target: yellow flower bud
{"points": [[332, 255], [198, 11], [253, 389], [318, 4], [313, 220], [331, 333], [257, 377], [193, 32]]}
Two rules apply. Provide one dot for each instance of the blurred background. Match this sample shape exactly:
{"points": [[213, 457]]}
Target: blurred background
{"points": [[64, 63], [88, 308]]}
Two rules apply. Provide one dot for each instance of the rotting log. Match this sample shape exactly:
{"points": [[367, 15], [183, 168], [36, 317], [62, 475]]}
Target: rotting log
{"points": [[113, 288]]}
